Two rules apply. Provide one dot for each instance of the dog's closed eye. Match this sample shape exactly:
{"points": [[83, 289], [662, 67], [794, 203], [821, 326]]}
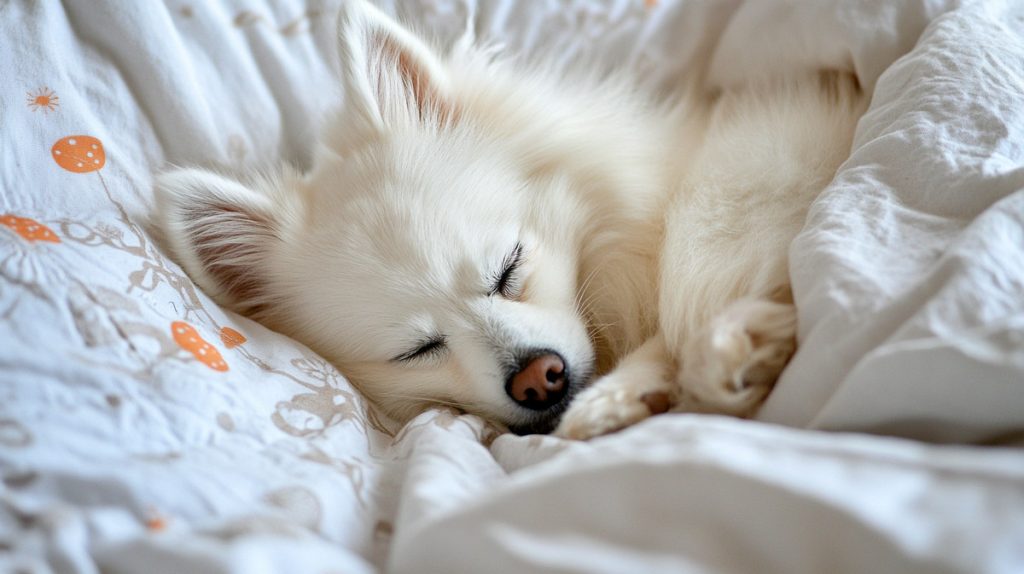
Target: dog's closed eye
{"points": [[507, 283], [429, 348]]}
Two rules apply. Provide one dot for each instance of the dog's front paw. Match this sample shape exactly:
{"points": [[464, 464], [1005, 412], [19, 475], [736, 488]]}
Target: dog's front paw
{"points": [[611, 405], [734, 366]]}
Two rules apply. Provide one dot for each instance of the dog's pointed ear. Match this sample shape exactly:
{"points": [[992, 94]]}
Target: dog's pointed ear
{"points": [[220, 231], [389, 74]]}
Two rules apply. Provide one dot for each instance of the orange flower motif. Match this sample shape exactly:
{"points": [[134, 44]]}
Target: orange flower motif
{"points": [[43, 99], [188, 338], [79, 154], [156, 523], [28, 229], [231, 338]]}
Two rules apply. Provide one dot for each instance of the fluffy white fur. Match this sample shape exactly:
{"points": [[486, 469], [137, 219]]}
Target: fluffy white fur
{"points": [[654, 234]]}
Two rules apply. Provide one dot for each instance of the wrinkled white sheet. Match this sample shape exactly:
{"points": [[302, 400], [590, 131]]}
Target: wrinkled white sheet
{"points": [[910, 273], [708, 494], [121, 450]]}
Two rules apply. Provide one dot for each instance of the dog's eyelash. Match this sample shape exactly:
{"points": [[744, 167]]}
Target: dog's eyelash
{"points": [[429, 348], [505, 284]]}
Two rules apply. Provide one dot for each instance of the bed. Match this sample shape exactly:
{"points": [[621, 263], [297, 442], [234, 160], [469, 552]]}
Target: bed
{"points": [[145, 429]]}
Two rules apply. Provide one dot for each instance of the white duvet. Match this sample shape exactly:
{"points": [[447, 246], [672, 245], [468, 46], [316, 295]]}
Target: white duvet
{"points": [[144, 429]]}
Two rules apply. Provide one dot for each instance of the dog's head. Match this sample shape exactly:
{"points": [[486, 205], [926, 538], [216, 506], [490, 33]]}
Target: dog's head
{"points": [[416, 255]]}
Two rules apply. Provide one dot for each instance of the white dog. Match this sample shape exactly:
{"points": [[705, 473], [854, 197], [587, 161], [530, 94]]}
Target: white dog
{"points": [[537, 250]]}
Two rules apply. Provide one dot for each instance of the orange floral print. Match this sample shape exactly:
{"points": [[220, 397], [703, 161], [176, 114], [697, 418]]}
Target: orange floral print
{"points": [[79, 154], [188, 338], [43, 99], [155, 521], [231, 338], [29, 229]]}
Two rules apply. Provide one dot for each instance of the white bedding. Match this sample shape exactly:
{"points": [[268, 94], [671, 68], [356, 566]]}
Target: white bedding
{"points": [[144, 429]]}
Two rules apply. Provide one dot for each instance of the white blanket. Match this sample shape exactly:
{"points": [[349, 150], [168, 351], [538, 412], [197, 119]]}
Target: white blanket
{"points": [[144, 429]]}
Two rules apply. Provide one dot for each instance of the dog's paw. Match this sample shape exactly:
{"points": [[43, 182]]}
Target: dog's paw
{"points": [[612, 404], [735, 364]]}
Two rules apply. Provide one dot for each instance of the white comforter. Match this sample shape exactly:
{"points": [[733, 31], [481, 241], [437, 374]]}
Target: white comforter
{"points": [[144, 429]]}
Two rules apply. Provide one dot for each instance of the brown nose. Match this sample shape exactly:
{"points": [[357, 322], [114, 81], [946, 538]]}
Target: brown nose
{"points": [[541, 384]]}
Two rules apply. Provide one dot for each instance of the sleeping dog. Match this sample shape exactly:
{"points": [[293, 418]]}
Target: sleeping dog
{"points": [[548, 250]]}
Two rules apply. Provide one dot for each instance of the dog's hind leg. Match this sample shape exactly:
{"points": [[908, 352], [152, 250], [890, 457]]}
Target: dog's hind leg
{"points": [[731, 365], [728, 315], [726, 307]]}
